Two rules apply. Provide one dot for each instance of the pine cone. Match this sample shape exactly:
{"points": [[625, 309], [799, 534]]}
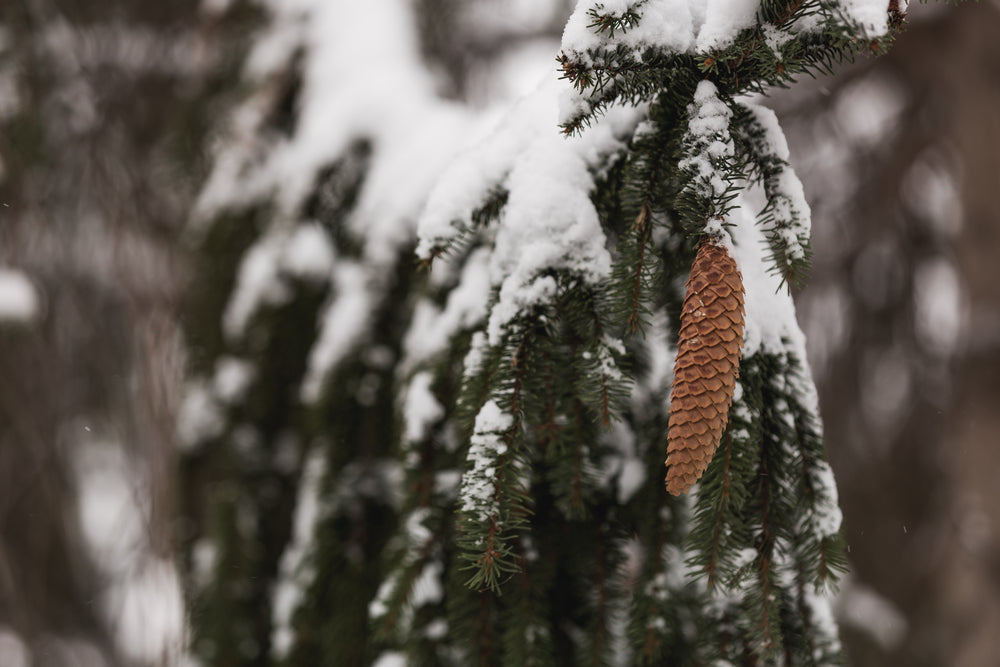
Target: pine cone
{"points": [[707, 364]]}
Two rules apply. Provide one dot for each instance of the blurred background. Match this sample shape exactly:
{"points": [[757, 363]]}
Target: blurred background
{"points": [[111, 112]]}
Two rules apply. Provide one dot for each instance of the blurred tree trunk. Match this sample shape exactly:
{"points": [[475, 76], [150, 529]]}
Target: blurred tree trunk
{"points": [[105, 112], [907, 257]]}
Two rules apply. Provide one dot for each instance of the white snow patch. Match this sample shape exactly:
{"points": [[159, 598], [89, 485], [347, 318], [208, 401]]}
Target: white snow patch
{"points": [[232, 379], [709, 141], [257, 284], [345, 320], [868, 109], [407, 166], [13, 651], [770, 312], [18, 298], [872, 614], [143, 601], [871, 16], [293, 570], [792, 215], [938, 301], [623, 461], [148, 611], [477, 494], [446, 482], [465, 184], [477, 351], [215, 7], [431, 329], [204, 557], [668, 24], [549, 223], [436, 629], [886, 386], [661, 356], [828, 517], [308, 253], [421, 408], [390, 659], [929, 190], [200, 417], [820, 607], [775, 38], [632, 478], [427, 589], [304, 252], [109, 516], [338, 102], [724, 19]]}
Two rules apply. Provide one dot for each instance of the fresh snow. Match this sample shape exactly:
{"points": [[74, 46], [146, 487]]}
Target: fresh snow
{"points": [[668, 24], [477, 494], [869, 15], [549, 223], [432, 328], [466, 183], [695, 26], [724, 19], [828, 517], [788, 200], [771, 325], [710, 141]]}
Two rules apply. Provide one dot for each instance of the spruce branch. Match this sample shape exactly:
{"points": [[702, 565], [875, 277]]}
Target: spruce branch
{"points": [[643, 235], [493, 497], [527, 635], [766, 54], [609, 22], [708, 165], [786, 216], [391, 611], [463, 233]]}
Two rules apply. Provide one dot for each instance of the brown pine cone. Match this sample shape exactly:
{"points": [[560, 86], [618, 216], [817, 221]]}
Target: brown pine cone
{"points": [[706, 367]]}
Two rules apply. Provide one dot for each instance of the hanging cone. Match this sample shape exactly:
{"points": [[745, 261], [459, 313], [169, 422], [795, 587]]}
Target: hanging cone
{"points": [[708, 361]]}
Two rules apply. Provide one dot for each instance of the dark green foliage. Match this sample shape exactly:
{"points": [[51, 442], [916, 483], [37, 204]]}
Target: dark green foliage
{"points": [[493, 496]]}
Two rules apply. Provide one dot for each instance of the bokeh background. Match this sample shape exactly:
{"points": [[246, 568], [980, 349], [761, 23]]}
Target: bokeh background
{"points": [[110, 114]]}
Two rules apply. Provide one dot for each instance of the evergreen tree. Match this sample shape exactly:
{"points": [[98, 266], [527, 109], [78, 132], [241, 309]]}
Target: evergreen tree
{"points": [[457, 460]]}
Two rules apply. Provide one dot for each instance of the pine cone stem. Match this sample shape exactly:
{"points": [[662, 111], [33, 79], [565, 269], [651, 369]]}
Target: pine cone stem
{"points": [[707, 365]]}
